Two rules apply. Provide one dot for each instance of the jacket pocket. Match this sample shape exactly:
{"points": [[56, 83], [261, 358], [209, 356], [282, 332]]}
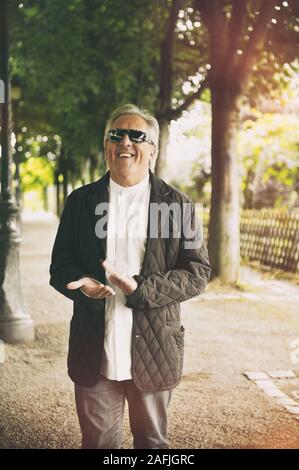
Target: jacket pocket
{"points": [[177, 331], [175, 334]]}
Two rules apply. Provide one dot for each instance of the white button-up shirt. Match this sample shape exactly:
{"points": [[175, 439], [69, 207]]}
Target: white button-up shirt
{"points": [[126, 239]]}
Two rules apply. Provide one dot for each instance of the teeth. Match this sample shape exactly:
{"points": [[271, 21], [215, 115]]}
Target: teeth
{"points": [[125, 155]]}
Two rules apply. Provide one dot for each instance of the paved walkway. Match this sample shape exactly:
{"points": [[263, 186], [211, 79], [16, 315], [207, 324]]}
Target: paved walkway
{"points": [[228, 334]]}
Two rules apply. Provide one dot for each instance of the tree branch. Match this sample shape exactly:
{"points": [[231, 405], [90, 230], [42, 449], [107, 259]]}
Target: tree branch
{"points": [[175, 113], [211, 13], [166, 64], [236, 28], [216, 22], [256, 42]]}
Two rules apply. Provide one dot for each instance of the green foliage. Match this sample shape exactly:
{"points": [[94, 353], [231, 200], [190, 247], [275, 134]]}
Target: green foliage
{"points": [[36, 173], [81, 58], [29, 145], [269, 147], [78, 59], [267, 154], [37, 157]]}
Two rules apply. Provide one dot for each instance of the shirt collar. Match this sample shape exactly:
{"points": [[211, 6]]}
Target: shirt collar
{"points": [[113, 186]]}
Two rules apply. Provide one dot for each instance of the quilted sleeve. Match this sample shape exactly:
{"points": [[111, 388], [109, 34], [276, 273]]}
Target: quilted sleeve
{"points": [[64, 268], [188, 279]]}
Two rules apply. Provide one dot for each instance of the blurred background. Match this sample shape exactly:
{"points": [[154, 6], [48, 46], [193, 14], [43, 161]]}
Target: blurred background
{"points": [[222, 78]]}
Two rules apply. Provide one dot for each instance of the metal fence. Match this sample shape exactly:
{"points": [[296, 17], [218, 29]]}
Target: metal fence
{"points": [[269, 236]]}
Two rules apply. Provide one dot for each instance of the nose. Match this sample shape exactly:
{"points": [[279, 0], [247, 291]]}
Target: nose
{"points": [[126, 140]]}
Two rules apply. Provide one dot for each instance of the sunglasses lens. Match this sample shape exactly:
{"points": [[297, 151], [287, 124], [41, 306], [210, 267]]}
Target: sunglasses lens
{"points": [[136, 136], [116, 135]]}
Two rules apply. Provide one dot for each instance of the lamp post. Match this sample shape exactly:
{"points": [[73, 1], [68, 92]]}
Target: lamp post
{"points": [[15, 98], [15, 324]]}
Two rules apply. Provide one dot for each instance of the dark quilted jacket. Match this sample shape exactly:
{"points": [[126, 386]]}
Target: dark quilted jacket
{"points": [[170, 274]]}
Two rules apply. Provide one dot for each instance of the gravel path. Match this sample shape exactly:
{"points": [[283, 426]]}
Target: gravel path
{"points": [[228, 332]]}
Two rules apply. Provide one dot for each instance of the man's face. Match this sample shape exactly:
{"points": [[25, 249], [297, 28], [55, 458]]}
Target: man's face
{"points": [[128, 162]]}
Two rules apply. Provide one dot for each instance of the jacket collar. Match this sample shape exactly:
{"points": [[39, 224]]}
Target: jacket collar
{"points": [[160, 192], [159, 189]]}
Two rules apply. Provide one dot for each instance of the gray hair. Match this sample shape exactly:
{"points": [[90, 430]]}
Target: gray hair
{"points": [[151, 121]]}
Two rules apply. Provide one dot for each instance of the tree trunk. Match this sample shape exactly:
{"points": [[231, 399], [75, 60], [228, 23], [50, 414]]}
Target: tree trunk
{"points": [[73, 182], [93, 164], [58, 204], [84, 171], [166, 84], [224, 225], [161, 163], [45, 198], [65, 185], [248, 193]]}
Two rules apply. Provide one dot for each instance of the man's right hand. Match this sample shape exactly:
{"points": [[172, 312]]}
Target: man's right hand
{"points": [[93, 289]]}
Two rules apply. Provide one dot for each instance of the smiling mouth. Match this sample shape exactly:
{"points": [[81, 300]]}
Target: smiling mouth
{"points": [[125, 155]]}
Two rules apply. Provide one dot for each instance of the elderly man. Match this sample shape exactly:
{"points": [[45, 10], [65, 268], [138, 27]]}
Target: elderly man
{"points": [[127, 281]]}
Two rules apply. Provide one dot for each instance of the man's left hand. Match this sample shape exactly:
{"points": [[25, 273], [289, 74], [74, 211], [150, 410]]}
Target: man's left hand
{"points": [[126, 283]]}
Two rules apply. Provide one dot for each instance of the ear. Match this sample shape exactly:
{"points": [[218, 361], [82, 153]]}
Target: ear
{"points": [[152, 160], [154, 155]]}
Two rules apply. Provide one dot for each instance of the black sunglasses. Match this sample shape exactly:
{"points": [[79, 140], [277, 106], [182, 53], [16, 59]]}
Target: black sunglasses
{"points": [[137, 137]]}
